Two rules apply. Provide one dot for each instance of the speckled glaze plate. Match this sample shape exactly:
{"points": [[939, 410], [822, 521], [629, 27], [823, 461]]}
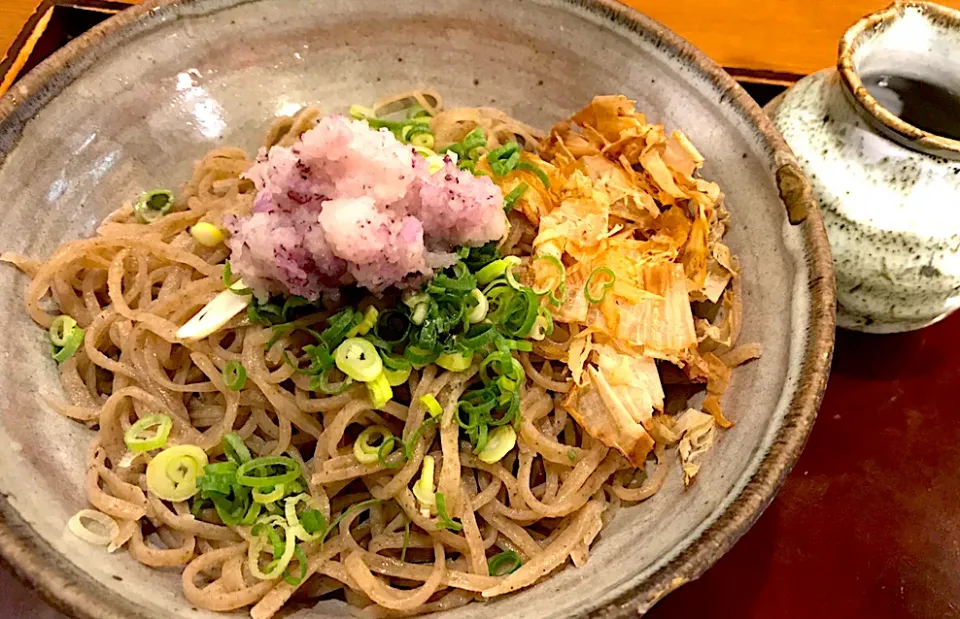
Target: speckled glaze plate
{"points": [[134, 102]]}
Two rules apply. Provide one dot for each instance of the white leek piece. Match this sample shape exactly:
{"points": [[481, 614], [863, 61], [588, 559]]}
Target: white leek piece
{"points": [[215, 314]]}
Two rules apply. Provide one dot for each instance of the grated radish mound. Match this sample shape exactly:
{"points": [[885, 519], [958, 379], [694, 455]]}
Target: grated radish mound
{"points": [[350, 205]]}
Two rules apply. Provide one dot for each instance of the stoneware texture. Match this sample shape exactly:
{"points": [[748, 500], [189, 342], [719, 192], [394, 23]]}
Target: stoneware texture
{"points": [[133, 103], [888, 191]]}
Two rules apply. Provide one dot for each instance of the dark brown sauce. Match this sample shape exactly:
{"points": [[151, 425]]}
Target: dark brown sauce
{"points": [[924, 105]]}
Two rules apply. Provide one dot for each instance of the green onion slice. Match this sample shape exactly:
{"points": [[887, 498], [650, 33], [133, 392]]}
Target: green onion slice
{"points": [[454, 362], [504, 160], [152, 205], [61, 329], [379, 390], [430, 403], [364, 448], [496, 269], [604, 286], [529, 167], [309, 524], [444, 521], [510, 200], [559, 279], [358, 359], [247, 477], [66, 338], [406, 541], [138, 439], [267, 494], [234, 449], [234, 375], [172, 474], [321, 382], [267, 539], [301, 558], [504, 563]]}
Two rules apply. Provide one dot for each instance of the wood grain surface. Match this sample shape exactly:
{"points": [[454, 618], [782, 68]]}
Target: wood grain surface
{"points": [[787, 36]]}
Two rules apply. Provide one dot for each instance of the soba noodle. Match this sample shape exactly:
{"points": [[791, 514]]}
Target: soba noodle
{"points": [[133, 285]]}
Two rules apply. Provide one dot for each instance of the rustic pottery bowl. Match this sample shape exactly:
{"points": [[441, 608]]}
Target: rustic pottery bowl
{"points": [[888, 189], [132, 104]]}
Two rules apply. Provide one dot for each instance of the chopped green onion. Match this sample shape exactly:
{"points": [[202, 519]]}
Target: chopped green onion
{"points": [[406, 540], [220, 477], [420, 357], [510, 200], [234, 375], [499, 443], [479, 311], [479, 257], [479, 336], [282, 551], [386, 449], [358, 359], [301, 558], [467, 149], [526, 165], [379, 390], [604, 287], [504, 160], [504, 563], [413, 300], [430, 403], [61, 329], [395, 378], [153, 205], [228, 281], [496, 269], [572, 455], [423, 140], [66, 338], [369, 321], [454, 362], [423, 488], [420, 313], [444, 519], [263, 495], [559, 283], [410, 445], [172, 474], [291, 303], [339, 324], [541, 326], [290, 471], [308, 525], [136, 440], [321, 382], [363, 448], [234, 448], [510, 277]]}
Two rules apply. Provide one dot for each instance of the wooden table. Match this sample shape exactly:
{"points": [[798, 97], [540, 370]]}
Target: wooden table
{"points": [[868, 523], [783, 37]]}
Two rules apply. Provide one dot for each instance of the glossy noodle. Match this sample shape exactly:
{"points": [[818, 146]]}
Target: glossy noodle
{"points": [[590, 435]]}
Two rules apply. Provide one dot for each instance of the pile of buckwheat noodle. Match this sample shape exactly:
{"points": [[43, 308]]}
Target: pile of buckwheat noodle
{"points": [[133, 285]]}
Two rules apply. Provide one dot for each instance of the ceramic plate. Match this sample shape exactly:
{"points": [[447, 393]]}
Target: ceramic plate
{"points": [[133, 103]]}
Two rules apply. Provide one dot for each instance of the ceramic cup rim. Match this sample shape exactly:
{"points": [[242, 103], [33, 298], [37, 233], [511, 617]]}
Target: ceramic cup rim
{"points": [[868, 106], [76, 593]]}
